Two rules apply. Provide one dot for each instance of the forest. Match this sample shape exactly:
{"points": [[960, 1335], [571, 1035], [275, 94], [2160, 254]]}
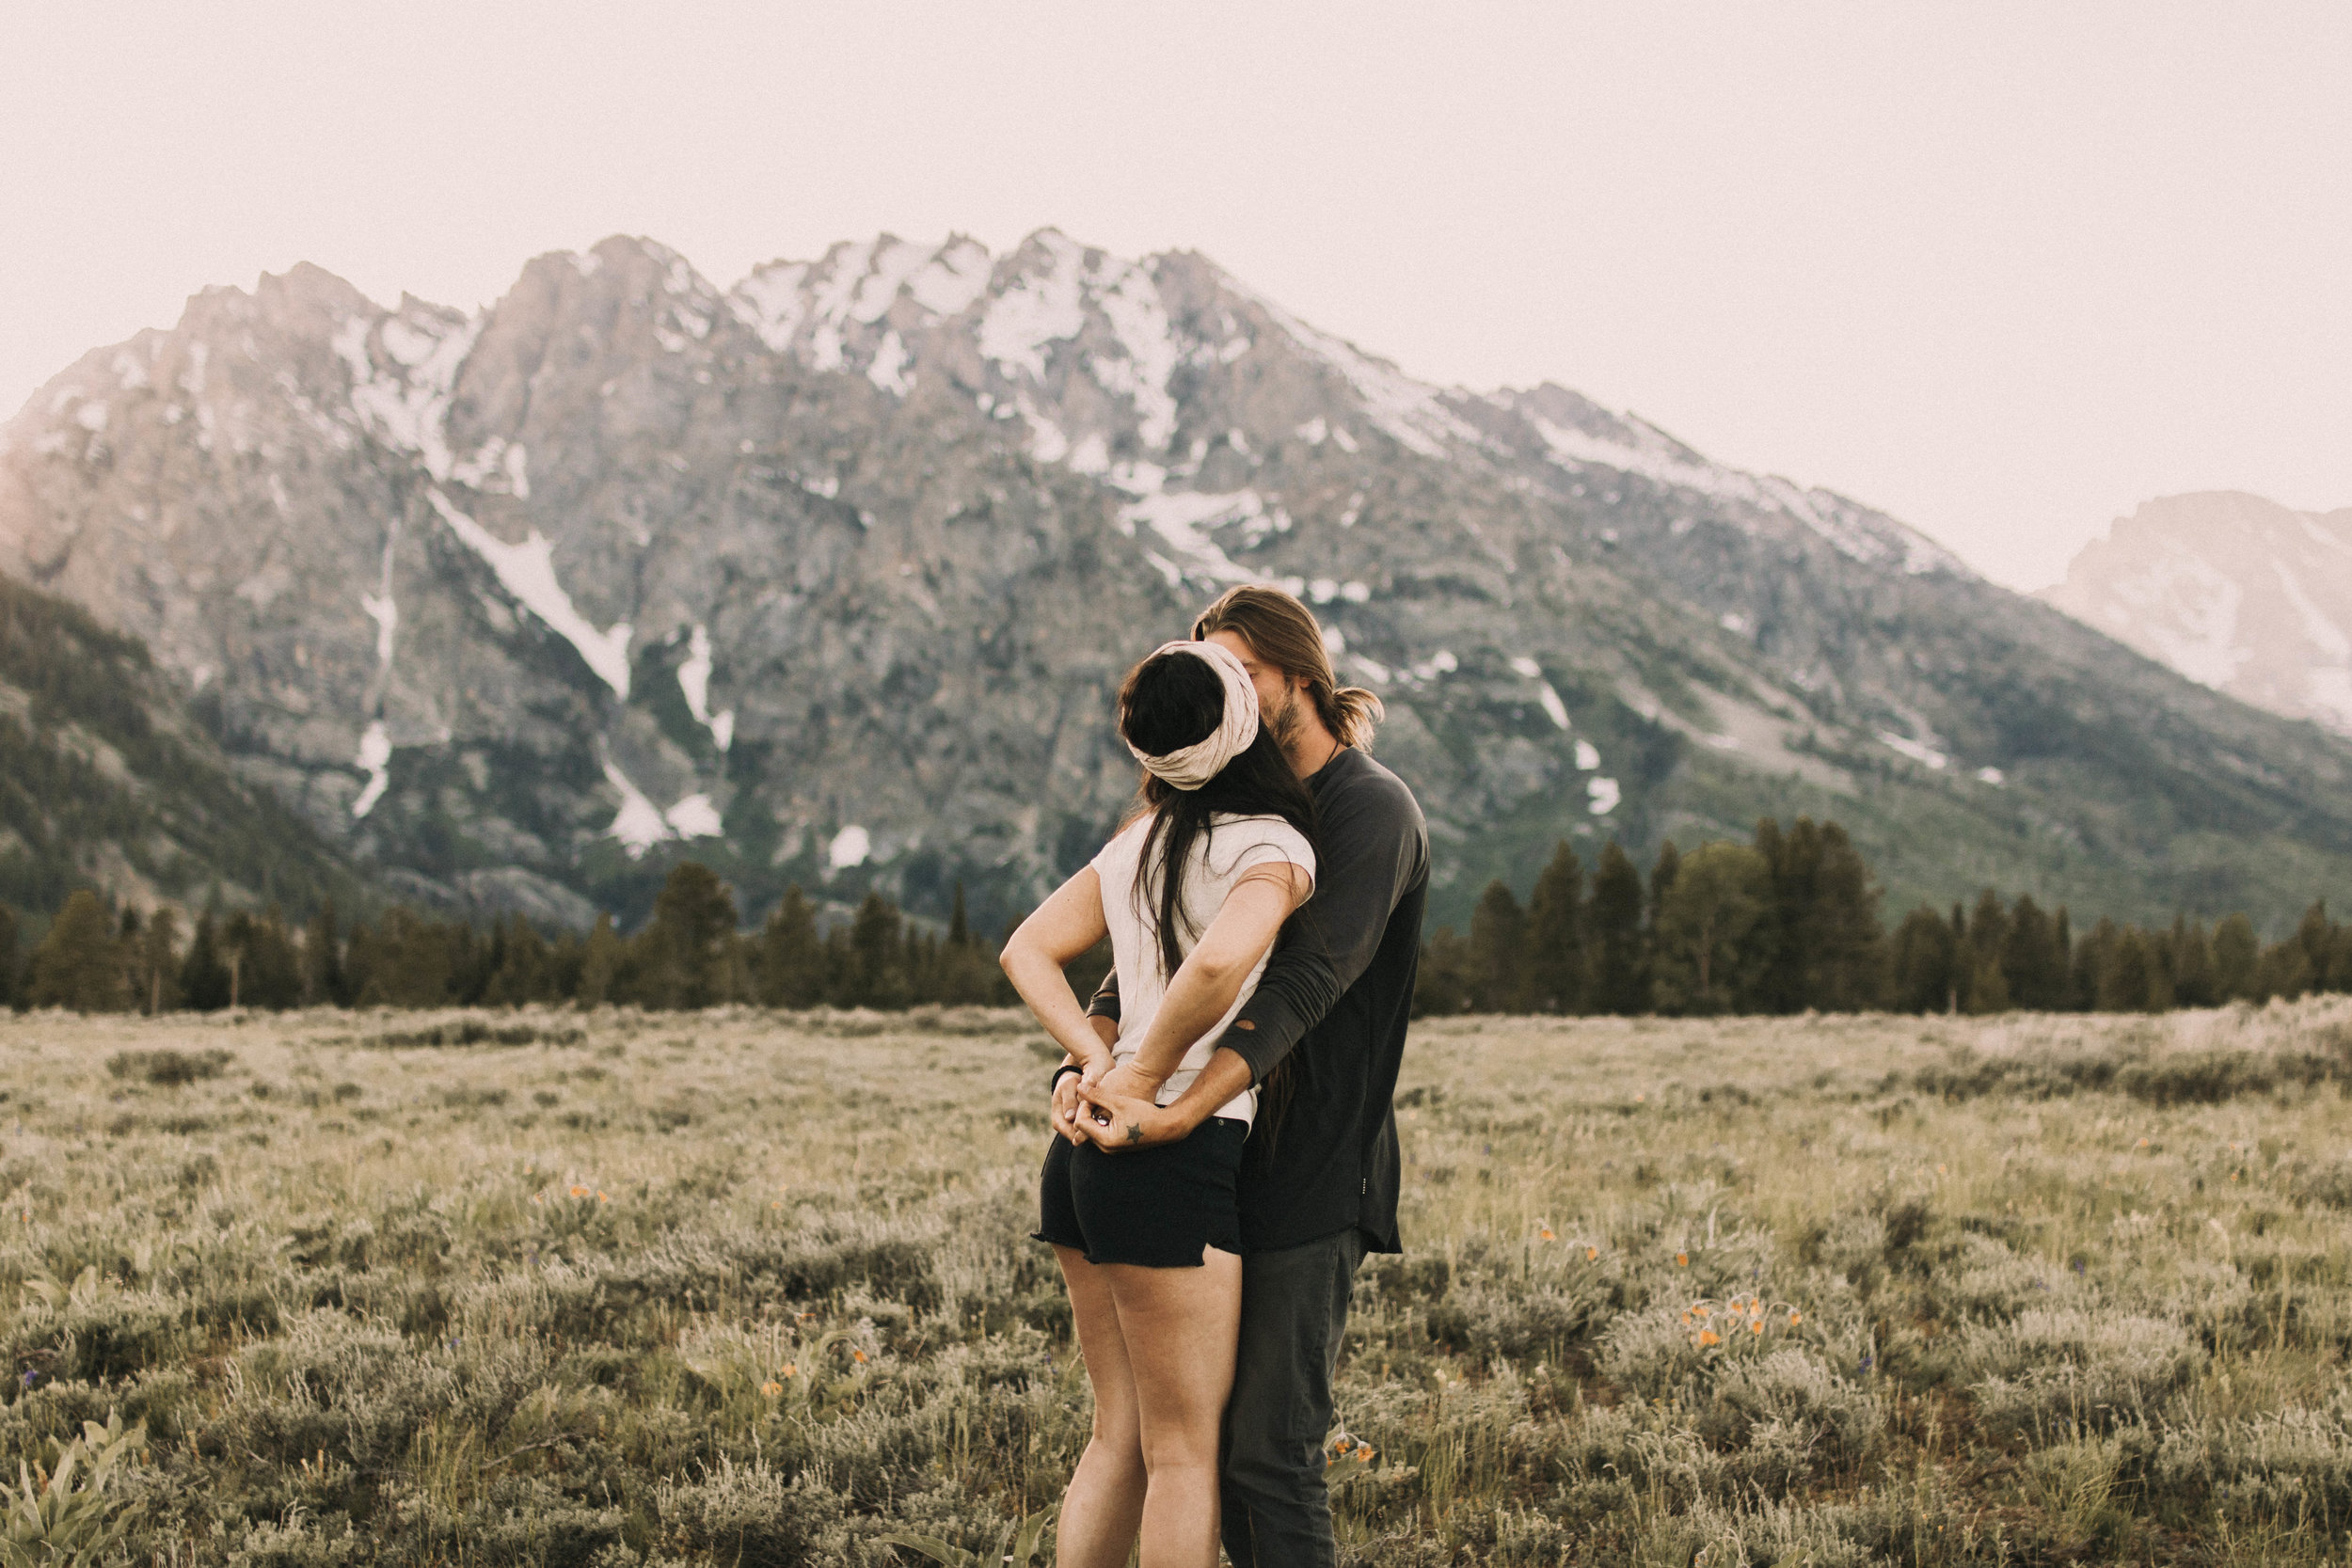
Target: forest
{"points": [[1789, 923]]}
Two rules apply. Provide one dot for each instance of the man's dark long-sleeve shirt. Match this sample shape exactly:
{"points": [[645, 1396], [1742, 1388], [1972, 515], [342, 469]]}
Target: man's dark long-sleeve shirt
{"points": [[1335, 1000]]}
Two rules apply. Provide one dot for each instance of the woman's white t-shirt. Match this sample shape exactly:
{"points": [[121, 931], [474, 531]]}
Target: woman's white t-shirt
{"points": [[1233, 847]]}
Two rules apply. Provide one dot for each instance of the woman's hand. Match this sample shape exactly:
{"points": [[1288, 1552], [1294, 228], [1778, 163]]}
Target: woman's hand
{"points": [[1123, 1081], [1068, 1094]]}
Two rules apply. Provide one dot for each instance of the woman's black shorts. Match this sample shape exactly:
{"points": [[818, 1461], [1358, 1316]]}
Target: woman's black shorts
{"points": [[1157, 1206]]}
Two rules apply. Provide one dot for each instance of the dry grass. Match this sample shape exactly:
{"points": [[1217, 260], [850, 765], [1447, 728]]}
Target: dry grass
{"points": [[746, 1288]]}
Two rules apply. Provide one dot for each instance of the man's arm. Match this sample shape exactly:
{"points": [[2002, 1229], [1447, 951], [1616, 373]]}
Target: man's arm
{"points": [[1374, 846], [1106, 1003]]}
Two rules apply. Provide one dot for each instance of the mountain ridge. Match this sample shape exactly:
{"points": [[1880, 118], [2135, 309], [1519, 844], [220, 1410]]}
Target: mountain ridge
{"points": [[2235, 591], [827, 576]]}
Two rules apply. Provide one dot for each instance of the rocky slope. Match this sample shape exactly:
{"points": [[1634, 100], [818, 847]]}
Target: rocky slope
{"points": [[106, 781], [2235, 591], [828, 576]]}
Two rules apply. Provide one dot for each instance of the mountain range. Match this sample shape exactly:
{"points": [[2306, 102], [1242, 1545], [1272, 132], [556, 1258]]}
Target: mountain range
{"points": [[827, 577], [2235, 591]]}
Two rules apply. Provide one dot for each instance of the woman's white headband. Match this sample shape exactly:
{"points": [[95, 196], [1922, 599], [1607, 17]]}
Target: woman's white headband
{"points": [[1204, 759]]}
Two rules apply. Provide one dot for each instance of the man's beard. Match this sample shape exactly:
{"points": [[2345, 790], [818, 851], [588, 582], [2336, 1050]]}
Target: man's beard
{"points": [[1285, 721]]}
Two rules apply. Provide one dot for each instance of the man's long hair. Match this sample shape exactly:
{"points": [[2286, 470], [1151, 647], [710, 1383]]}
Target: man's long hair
{"points": [[1284, 633], [1166, 703]]}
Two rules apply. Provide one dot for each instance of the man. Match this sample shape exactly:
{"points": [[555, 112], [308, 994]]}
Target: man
{"points": [[1322, 1037]]}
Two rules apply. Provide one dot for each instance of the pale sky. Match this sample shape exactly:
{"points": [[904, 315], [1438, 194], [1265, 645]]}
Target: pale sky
{"points": [[2005, 270]]}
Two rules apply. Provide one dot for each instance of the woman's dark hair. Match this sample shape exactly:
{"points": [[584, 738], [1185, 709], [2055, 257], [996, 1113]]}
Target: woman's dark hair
{"points": [[1168, 701]]}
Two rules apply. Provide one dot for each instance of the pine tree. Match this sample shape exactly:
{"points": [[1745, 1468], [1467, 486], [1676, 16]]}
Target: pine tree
{"points": [[1662, 880], [471, 960], [1498, 944], [203, 974], [2032, 967], [1708, 959], [1846, 952], [2236, 958], [966, 971], [2062, 952], [1558, 971], [1441, 987], [875, 977], [413, 962], [157, 970], [790, 969], [264, 969], [1781, 935], [688, 957], [1985, 982], [2192, 964], [2093, 957], [10, 985], [323, 960], [2285, 971], [1620, 984], [2339, 976], [522, 975], [566, 958], [2316, 936], [2127, 982], [77, 964], [1922, 963], [599, 963]]}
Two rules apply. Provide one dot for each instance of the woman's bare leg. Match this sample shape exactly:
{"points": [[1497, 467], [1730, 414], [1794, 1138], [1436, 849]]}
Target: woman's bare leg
{"points": [[1180, 1327], [1104, 1507]]}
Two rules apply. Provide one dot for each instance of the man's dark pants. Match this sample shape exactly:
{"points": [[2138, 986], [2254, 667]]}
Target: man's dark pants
{"points": [[1294, 1310]]}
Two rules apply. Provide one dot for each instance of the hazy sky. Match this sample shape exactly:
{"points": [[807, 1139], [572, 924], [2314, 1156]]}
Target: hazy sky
{"points": [[2003, 269]]}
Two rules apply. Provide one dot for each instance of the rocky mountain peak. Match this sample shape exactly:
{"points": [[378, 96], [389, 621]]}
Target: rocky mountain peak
{"points": [[827, 576], [2236, 593]]}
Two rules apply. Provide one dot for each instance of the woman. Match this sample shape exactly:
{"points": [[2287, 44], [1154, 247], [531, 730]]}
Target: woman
{"points": [[1192, 891]]}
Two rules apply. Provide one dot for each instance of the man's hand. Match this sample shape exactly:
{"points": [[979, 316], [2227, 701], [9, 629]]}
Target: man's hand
{"points": [[1118, 1123]]}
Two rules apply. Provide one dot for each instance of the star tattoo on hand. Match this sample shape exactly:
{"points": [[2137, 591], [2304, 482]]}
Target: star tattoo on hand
{"points": [[1135, 1131]]}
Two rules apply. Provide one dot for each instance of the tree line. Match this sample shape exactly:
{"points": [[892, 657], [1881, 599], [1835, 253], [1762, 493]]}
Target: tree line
{"points": [[1785, 924], [1790, 921], [691, 954]]}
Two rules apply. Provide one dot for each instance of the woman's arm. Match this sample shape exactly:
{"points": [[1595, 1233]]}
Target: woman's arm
{"points": [[1063, 927], [1204, 989], [1121, 1110]]}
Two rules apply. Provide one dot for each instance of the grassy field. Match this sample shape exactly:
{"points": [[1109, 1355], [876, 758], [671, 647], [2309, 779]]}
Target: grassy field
{"points": [[752, 1289]]}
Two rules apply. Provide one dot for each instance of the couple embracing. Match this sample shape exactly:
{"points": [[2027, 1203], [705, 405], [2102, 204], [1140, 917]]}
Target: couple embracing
{"points": [[1225, 1149]]}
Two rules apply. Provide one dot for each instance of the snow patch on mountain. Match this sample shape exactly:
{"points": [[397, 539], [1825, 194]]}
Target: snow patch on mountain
{"points": [[1410, 411], [694, 680], [1183, 521], [405, 403], [956, 275], [375, 760], [639, 825], [1038, 310], [527, 571], [772, 304]]}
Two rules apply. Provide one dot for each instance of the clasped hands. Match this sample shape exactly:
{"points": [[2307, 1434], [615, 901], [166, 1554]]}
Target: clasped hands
{"points": [[1113, 1106]]}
